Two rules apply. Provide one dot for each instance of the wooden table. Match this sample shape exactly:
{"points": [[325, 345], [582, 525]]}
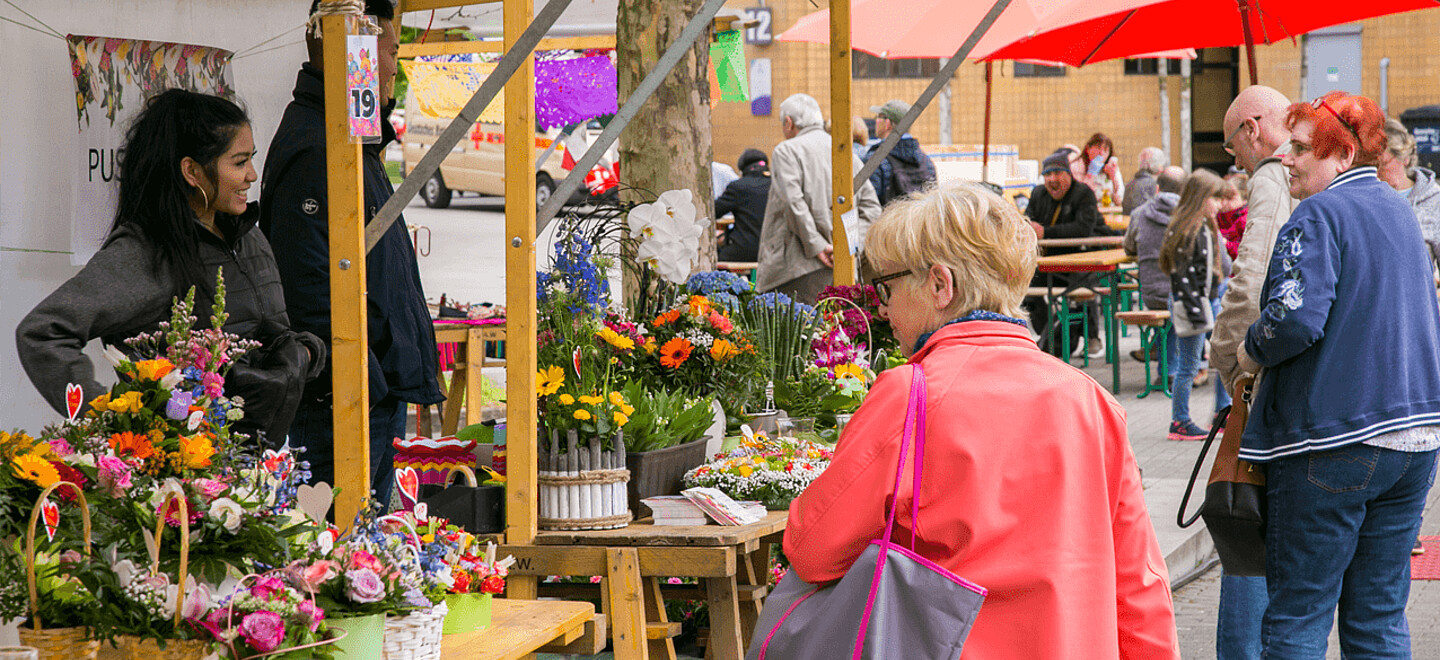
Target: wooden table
{"points": [[1117, 222], [732, 564], [746, 269], [1101, 263], [521, 627], [1088, 241], [465, 381]]}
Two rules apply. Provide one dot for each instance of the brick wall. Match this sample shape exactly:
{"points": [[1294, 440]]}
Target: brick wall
{"points": [[1039, 114]]}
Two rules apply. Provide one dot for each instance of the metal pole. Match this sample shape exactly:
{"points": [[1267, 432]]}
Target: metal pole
{"points": [[945, 112], [1163, 67], [985, 155], [941, 79], [1185, 136], [460, 126], [697, 26]]}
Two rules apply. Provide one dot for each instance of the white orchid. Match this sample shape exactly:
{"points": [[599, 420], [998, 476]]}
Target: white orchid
{"points": [[114, 356], [669, 230]]}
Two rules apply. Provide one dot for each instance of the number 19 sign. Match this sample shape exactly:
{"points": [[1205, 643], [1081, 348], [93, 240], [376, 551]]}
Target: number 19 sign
{"points": [[363, 85]]}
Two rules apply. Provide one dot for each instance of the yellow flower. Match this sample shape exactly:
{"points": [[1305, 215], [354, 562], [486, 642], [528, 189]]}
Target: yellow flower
{"points": [[621, 419], [101, 402], [627, 409], [746, 470], [722, 350], [617, 399], [566, 399], [582, 414], [128, 402], [153, 369], [849, 369], [592, 400], [616, 339], [650, 345], [549, 380], [196, 451], [36, 469]]}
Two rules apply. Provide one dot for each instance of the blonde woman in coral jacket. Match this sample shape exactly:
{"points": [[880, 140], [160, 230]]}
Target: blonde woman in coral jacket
{"points": [[1030, 488]]}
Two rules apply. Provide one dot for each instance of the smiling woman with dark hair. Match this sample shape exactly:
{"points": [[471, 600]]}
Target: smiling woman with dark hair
{"points": [[182, 215]]}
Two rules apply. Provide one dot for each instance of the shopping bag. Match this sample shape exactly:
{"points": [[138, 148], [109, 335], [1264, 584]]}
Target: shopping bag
{"points": [[892, 603]]}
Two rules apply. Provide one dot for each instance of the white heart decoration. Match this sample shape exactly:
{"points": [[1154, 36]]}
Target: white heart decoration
{"points": [[315, 500]]}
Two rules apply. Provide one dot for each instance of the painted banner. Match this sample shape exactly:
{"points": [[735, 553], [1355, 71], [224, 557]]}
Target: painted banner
{"points": [[113, 77]]}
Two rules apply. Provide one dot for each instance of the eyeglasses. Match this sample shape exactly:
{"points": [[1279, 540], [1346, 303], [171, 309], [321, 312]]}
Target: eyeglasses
{"points": [[882, 289], [1320, 103], [1230, 141]]}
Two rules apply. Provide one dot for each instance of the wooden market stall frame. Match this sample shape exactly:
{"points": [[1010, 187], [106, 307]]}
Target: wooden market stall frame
{"points": [[351, 239]]}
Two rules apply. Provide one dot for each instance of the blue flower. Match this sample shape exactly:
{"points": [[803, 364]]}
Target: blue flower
{"points": [[709, 283], [778, 301]]}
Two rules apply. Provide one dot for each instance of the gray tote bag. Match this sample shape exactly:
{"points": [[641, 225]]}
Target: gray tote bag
{"points": [[892, 603]]}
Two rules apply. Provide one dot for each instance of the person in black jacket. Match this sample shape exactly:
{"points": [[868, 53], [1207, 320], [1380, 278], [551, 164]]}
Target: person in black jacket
{"points": [[294, 214], [181, 215], [745, 199], [1059, 208]]}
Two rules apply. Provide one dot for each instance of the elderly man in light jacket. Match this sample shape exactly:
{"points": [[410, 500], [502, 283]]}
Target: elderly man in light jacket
{"points": [[1257, 137], [796, 254]]}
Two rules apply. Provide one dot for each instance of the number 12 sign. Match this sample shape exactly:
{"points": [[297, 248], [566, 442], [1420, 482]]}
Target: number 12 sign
{"points": [[363, 85]]}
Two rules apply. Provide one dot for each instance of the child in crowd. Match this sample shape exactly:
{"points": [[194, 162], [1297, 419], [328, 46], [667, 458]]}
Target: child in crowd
{"points": [[1193, 257]]}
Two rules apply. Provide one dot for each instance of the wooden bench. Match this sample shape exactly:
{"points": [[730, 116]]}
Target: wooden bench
{"points": [[1081, 294], [745, 269], [1153, 325]]}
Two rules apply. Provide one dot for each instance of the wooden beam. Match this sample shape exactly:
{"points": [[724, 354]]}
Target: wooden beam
{"points": [[841, 175], [592, 640], [461, 47], [349, 338], [542, 560], [627, 609], [521, 492], [427, 5]]}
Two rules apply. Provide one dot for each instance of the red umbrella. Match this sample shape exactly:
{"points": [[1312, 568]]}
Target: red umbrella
{"points": [[935, 28], [1072, 38]]}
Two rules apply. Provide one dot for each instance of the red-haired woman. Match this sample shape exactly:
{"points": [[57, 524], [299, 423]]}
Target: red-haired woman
{"points": [[1346, 414]]}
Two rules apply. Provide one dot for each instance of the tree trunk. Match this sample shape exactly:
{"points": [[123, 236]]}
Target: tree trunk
{"points": [[667, 145]]}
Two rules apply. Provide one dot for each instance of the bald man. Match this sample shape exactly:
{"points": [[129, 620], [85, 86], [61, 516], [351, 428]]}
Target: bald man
{"points": [[1256, 135]]}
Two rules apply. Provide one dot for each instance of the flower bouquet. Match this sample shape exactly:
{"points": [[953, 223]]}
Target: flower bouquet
{"points": [[698, 348], [773, 471], [57, 592], [266, 619]]}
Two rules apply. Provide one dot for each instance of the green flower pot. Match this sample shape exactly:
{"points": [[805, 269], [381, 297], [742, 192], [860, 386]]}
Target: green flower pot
{"points": [[364, 637], [468, 612]]}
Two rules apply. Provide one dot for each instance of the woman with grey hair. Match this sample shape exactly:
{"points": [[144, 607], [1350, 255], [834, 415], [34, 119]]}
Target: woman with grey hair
{"points": [[1416, 184]]}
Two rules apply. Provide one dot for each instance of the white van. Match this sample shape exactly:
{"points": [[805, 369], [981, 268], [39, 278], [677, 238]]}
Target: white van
{"points": [[477, 163]]}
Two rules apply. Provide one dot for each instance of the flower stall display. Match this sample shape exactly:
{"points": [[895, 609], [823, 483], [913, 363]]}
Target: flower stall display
{"points": [[697, 347], [267, 618], [771, 470], [474, 576]]}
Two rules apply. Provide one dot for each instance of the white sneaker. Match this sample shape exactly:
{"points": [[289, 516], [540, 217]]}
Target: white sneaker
{"points": [[1096, 349]]}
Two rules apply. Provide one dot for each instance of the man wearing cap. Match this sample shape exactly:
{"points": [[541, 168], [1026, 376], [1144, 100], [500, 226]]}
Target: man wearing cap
{"points": [[1060, 209], [906, 168]]}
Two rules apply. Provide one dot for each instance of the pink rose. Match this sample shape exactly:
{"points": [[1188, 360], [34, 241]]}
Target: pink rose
{"points": [[316, 574], [363, 585], [266, 587], [362, 559], [263, 630], [60, 447], [210, 487], [310, 609]]}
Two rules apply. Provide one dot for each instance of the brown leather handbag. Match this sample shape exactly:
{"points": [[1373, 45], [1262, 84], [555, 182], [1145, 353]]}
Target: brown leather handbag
{"points": [[1234, 506]]}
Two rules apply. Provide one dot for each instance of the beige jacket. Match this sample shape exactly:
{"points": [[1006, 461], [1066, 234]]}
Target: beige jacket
{"points": [[797, 212], [1270, 207]]}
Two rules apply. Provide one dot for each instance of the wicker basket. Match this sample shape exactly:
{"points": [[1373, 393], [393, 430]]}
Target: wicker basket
{"points": [[136, 648], [55, 643], [415, 636]]}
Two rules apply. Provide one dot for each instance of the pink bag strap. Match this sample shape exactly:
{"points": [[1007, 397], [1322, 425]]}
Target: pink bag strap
{"points": [[914, 416]]}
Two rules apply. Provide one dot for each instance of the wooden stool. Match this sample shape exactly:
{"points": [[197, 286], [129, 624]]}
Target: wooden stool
{"points": [[1153, 325]]}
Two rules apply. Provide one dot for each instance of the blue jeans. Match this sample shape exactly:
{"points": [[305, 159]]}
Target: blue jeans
{"points": [[313, 430], [1242, 606], [1187, 362], [1339, 531]]}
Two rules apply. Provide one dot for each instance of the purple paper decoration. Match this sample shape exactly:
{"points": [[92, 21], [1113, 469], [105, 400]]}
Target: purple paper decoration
{"points": [[575, 90]]}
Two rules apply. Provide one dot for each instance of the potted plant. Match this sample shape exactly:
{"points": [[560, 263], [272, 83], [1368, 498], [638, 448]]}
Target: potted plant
{"points": [[664, 439]]}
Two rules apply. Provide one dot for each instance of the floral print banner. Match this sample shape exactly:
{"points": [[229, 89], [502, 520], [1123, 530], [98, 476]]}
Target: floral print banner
{"points": [[113, 77]]}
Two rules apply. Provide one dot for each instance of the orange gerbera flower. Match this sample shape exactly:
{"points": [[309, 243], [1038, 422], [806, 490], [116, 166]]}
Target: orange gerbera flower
{"points": [[667, 317], [675, 352], [195, 451], [132, 445]]}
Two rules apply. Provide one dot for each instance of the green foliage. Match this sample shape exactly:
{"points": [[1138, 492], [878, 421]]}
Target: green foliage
{"points": [[664, 419], [781, 330]]}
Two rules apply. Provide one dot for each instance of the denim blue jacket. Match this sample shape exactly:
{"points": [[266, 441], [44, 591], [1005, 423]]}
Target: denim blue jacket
{"points": [[1349, 332]]}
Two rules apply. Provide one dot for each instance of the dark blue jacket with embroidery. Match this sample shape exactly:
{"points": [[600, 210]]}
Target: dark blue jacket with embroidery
{"points": [[293, 215], [1349, 332]]}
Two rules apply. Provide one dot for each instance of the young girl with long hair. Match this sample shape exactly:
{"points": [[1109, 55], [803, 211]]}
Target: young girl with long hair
{"points": [[182, 214], [1194, 258]]}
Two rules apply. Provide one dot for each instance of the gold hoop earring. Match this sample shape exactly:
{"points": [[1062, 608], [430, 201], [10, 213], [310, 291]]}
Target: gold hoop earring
{"points": [[204, 195]]}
